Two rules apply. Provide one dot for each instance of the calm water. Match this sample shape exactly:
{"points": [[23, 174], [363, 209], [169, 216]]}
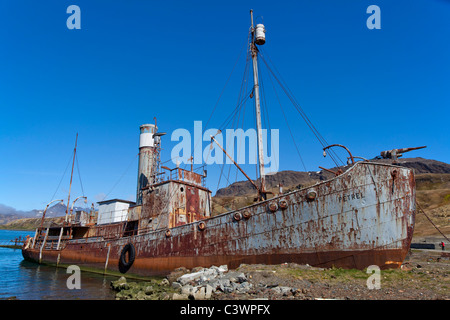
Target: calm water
{"points": [[31, 281]]}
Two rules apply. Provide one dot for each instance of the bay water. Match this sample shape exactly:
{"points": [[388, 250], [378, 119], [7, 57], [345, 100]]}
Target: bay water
{"points": [[26, 280]]}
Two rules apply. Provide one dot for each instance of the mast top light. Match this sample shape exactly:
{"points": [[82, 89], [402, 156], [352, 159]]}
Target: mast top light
{"points": [[260, 34]]}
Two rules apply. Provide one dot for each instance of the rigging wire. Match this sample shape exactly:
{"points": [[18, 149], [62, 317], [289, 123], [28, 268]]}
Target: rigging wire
{"points": [[236, 117], [256, 155], [324, 143], [266, 116], [265, 119], [289, 94], [242, 98], [287, 123], [240, 141], [228, 144], [59, 184], [217, 102], [79, 176], [244, 88], [123, 174], [435, 226], [232, 116]]}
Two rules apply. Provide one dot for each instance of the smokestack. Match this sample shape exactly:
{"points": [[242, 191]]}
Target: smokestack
{"points": [[147, 158]]}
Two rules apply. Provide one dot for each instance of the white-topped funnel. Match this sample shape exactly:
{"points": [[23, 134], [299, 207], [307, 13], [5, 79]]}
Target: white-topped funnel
{"points": [[146, 137], [147, 158]]}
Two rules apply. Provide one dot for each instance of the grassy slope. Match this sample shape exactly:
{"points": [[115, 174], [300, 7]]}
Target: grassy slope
{"points": [[29, 223]]}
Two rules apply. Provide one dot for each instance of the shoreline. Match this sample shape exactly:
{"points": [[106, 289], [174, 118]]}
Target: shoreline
{"points": [[424, 275]]}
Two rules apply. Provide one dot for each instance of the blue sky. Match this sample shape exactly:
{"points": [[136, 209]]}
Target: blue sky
{"points": [[131, 61]]}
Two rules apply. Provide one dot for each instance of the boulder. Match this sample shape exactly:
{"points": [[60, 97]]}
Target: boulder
{"points": [[120, 284], [181, 296], [285, 291], [203, 282], [201, 276]]}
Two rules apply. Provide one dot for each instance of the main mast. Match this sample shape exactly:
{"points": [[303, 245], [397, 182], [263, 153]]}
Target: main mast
{"points": [[258, 38]]}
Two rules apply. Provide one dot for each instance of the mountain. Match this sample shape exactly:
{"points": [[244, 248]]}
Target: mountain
{"points": [[8, 214], [421, 165]]}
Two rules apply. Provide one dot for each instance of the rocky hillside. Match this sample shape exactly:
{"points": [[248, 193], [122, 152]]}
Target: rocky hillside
{"points": [[290, 179]]}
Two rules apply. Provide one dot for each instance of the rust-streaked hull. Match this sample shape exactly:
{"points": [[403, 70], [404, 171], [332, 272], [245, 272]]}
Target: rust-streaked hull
{"points": [[363, 217]]}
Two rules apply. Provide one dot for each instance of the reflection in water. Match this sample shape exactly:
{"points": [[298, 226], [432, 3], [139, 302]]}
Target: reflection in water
{"points": [[50, 283], [53, 281]]}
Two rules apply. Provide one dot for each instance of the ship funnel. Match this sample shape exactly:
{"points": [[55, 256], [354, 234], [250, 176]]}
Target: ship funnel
{"points": [[260, 34], [148, 158], [146, 136]]}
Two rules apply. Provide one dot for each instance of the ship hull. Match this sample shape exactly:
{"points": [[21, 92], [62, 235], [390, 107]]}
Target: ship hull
{"points": [[360, 218]]}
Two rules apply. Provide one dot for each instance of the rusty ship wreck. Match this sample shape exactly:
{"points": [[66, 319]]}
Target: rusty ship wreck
{"points": [[362, 216]]}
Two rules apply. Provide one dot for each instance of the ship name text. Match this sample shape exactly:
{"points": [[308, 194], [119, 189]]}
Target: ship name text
{"points": [[351, 196]]}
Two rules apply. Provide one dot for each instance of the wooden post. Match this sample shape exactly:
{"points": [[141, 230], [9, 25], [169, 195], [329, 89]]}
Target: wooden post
{"points": [[43, 245], [107, 257], [34, 239]]}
